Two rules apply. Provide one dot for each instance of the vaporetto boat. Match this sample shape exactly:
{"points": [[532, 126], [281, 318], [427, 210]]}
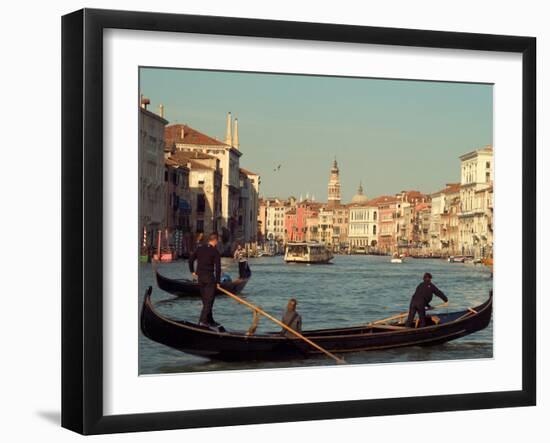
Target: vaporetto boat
{"points": [[307, 252]]}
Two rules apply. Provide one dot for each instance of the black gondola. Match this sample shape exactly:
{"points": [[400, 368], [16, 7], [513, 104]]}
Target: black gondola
{"points": [[238, 346], [188, 288]]}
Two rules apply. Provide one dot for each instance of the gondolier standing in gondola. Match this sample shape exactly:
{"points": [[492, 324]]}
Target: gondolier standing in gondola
{"points": [[240, 256], [421, 300], [208, 274]]}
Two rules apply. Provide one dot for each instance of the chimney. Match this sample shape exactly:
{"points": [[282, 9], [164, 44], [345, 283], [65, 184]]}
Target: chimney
{"points": [[161, 110], [182, 132], [144, 102], [236, 134], [228, 136]]}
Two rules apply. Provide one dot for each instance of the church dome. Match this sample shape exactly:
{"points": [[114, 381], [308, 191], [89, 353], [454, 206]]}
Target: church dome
{"points": [[359, 197]]}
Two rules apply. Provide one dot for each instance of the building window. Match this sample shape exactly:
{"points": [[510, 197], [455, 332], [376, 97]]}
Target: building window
{"points": [[374, 229], [201, 203], [200, 226]]}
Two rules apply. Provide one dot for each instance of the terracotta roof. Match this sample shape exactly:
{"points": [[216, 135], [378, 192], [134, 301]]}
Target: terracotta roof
{"points": [[413, 194], [383, 199], [172, 134], [194, 155], [183, 158], [422, 206], [451, 188]]}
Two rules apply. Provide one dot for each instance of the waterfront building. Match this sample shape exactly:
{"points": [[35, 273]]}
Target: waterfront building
{"points": [[262, 216], [406, 234], [178, 207], [340, 228], [205, 190], [188, 139], [423, 216], [363, 222], [272, 219], [438, 205], [440, 234], [291, 229], [312, 227], [449, 220], [387, 214], [326, 225], [475, 214], [152, 202], [303, 210], [405, 216], [483, 223], [247, 214]]}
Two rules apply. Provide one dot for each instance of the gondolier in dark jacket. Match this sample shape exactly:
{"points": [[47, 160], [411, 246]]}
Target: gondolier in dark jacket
{"points": [[208, 274], [421, 300], [240, 256]]}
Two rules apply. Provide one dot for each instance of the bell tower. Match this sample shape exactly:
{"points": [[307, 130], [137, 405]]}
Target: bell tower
{"points": [[334, 185]]}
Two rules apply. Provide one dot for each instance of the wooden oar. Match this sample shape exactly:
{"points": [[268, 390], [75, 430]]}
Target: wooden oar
{"points": [[281, 324], [395, 317]]}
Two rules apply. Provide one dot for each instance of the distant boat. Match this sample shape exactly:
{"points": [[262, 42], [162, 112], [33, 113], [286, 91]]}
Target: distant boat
{"points": [[265, 254], [307, 252], [359, 250], [459, 258], [397, 259]]}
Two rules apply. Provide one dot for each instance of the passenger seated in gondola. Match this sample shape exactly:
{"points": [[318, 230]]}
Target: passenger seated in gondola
{"points": [[225, 278], [421, 300], [292, 319]]}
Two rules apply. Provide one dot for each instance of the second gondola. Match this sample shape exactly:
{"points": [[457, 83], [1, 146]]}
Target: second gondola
{"points": [[188, 288]]}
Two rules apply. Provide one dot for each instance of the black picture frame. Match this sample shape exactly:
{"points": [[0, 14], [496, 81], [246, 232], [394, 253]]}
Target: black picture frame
{"points": [[82, 218]]}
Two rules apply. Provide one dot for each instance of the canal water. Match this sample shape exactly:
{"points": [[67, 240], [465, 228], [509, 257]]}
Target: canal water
{"points": [[353, 290]]}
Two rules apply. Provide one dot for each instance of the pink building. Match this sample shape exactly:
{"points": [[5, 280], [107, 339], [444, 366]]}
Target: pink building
{"points": [[291, 229], [387, 234]]}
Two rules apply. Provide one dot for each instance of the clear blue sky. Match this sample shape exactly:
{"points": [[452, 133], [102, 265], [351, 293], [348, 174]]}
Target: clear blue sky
{"points": [[389, 134]]}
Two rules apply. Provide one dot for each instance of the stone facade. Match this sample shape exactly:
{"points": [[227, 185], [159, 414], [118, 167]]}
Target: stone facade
{"points": [[475, 214], [178, 207], [205, 185], [363, 226], [239, 192], [152, 203]]}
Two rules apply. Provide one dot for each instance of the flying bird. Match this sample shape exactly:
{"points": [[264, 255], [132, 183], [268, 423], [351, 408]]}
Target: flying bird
{"points": [[277, 168]]}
